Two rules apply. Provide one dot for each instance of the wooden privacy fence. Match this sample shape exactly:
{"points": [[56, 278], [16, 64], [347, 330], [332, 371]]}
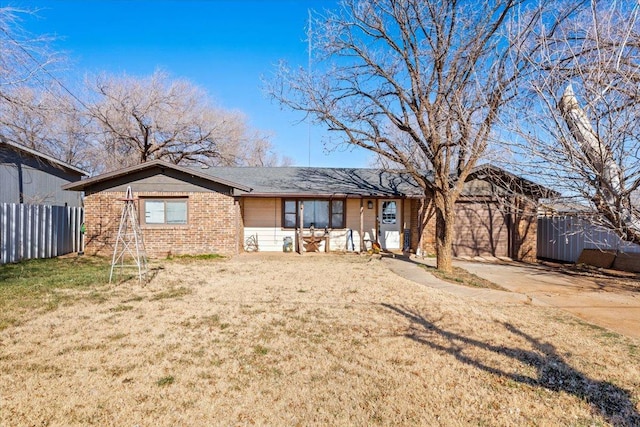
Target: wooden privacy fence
{"points": [[564, 238], [38, 231]]}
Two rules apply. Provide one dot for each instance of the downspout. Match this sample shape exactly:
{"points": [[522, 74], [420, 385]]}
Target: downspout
{"points": [[20, 182], [239, 236]]}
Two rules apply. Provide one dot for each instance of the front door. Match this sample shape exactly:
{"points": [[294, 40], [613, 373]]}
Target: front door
{"points": [[389, 223]]}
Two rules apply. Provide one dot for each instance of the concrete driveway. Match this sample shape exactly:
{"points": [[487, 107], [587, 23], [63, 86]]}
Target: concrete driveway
{"points": [[612, 303]]}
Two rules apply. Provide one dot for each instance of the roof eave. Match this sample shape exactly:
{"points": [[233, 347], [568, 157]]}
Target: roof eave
{"points": [[84, 184], [328, 195], [49, 159]]}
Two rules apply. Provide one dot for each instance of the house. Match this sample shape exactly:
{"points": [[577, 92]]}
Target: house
{"points": [[30, 177], [185, 210]]}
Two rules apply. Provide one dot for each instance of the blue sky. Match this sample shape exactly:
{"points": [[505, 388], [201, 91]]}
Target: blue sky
{"points": [[224, 46]]}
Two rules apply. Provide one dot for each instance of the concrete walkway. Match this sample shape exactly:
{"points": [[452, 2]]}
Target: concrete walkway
{"points": [[410, 269], [590, 299]]}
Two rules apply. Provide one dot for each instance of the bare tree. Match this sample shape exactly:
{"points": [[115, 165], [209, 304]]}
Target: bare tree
{"points": [[24, 58], [439, 72], [157, 118], [581, 124], [258, 151], [131, 119], [50, 121], [35, 110]]}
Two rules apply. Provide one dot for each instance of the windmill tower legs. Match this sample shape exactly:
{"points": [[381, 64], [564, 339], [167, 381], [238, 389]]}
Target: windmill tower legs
{"points": [[129, 250]]}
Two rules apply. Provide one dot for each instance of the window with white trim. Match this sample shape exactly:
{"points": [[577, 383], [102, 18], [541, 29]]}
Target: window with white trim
{"points": [[165, 211]]}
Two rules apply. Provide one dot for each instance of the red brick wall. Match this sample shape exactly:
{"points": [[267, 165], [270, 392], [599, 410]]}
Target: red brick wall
{"points": [[415, 224], [524, 229], [427, 244], [212, 225], [429, 237]]}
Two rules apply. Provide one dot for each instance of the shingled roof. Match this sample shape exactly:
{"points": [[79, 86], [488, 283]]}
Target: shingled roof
{"points": [[317, 182], [304, 181]]}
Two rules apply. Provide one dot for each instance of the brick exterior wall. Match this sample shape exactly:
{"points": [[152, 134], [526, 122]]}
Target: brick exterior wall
{"points": [[427, 244], [523, 228], [414, 226], [212, 225], [429, 237]]}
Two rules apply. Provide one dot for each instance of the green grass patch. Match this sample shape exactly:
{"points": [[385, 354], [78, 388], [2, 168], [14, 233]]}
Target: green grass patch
{"points": [[44, 284], [165, 381], [260, 350], [201, 257], [461, 276], [171, 293], [121, 307]]}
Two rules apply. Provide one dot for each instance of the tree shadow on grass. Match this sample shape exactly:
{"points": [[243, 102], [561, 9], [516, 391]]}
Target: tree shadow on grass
{"points": [[612, 402]]}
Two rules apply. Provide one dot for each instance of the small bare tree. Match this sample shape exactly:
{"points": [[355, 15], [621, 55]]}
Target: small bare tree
{"points": [[157, 118], [50, 121], [438, 72], [580, 129], [35, 111], [23, 57]]}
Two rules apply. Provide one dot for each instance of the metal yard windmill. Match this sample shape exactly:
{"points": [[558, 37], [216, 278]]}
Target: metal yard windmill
{"points": [[129, 250]]}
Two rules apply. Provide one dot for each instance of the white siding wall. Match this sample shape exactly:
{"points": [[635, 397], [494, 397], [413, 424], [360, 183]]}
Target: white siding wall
{"points": [[263, 219], [353, 221], [270, 239]]}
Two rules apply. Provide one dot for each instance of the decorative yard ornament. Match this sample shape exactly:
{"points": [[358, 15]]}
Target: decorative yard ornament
{"points": [[129, 250]]}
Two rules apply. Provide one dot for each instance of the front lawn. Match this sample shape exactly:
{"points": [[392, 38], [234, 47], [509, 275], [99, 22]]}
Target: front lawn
{"points": [[303, 340], [43, 284]]}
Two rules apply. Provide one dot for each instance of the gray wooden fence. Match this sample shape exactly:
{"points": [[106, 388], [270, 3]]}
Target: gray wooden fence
{"points": [[564, 238], [38, 231]]}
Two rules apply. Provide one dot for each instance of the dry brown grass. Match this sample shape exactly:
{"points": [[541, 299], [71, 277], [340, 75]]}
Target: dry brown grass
{"points": [[312, 340], [460, 276]]}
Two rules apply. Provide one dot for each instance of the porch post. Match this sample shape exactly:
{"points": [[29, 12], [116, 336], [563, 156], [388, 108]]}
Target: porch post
{"points": [[377, 222], [300, 227], [362, 248]]}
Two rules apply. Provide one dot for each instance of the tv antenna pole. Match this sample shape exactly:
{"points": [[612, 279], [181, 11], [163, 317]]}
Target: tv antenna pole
{"points": [[309, 35]]}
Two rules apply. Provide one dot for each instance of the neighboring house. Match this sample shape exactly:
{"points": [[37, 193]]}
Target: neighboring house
{"points": [[30, 177], [194, 210]]}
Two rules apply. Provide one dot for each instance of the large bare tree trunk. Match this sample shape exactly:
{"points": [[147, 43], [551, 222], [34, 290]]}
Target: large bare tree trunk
{"points": [[444, 231]]}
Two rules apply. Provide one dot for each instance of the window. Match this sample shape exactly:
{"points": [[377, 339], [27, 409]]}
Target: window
{"points": [[337, 214], [317, 213], [290, 213], [388, 212], [165, 211]]}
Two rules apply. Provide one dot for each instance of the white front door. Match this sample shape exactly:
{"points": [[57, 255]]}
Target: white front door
{"points": [[389, 217]]}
